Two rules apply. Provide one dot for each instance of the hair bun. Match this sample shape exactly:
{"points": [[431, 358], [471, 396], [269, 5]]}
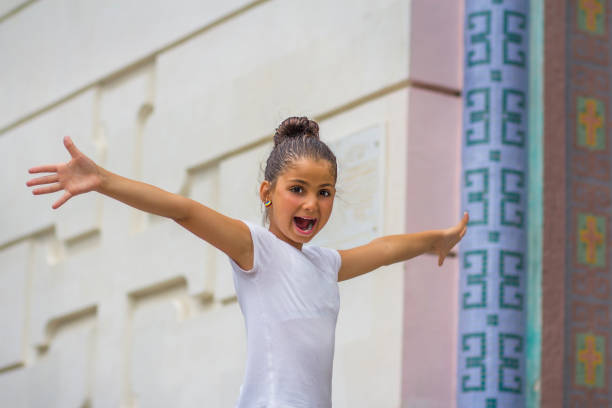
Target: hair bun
{"points": [[295, 127]]}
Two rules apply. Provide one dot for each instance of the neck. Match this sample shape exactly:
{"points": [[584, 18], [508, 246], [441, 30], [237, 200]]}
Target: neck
{"points": [[279, 235]]}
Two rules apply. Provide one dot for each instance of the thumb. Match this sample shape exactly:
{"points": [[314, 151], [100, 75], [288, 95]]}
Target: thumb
{"points": [[72, 149]]}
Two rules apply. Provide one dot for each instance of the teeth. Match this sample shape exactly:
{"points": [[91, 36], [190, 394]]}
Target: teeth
{"points": [[311, 222]]}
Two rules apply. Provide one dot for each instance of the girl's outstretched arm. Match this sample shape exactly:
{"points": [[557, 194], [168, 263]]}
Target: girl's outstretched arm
{"points": [[81, 175], [390, 249]]}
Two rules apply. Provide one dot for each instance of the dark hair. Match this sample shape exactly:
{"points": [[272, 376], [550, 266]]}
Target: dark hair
{"points": [[295, 138]]}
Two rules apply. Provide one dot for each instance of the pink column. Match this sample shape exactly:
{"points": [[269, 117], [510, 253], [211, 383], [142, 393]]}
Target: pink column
{"points": [[433, 168]]}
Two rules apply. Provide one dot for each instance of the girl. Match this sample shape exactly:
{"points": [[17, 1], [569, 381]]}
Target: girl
{"points": [[287, 291]]}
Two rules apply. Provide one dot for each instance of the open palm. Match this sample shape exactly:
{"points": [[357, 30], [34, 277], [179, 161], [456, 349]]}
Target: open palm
{"points": [[80, 175], [450, 238]]}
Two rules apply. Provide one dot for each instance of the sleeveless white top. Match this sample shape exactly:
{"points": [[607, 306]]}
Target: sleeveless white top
{"points": [[290, 303]]}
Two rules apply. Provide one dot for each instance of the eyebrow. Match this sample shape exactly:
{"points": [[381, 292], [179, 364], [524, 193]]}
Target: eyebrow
{"points": [[306, 183]]}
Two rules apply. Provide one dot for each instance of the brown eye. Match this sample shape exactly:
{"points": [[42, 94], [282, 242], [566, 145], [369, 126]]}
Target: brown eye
{"points": [[296, 189], [325, 193]]}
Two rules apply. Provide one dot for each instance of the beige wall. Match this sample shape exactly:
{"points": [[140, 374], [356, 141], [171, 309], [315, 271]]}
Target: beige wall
{"points": [[103, 306]]}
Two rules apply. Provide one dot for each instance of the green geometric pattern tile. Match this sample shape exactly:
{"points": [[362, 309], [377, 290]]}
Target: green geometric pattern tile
{"points": [[590, 357], [591, 240], [591, 124], [592, 16]]}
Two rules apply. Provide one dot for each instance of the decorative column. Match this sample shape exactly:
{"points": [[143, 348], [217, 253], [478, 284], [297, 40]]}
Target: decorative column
{"points": [[588, 279], [493, 258]]}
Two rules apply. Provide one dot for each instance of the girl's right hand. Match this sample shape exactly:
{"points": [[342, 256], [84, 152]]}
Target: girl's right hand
{"points": [[80, 175]]}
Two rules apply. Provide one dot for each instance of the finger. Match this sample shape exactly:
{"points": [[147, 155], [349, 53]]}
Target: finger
{"points": [[61, 201], [440, 260], [48, 189], [43, 180], [71, 147], [47, 168]]}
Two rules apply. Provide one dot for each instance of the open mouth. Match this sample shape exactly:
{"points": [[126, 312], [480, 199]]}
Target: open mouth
{"points": [[304, 225]]}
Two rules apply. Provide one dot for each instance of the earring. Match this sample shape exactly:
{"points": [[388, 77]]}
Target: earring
{"points": [[268, 203]]}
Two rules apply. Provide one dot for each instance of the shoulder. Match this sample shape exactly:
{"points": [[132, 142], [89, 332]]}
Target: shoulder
{"points": [[246, 260], [264, 247], [260, 234], [326, 258], [257, 231]]}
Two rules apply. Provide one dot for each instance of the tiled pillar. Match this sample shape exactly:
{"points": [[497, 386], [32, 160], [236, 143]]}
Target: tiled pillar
{"points": [[492, 297]]}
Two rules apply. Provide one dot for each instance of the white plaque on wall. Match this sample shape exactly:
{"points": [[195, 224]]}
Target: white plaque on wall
{"points": [[357, 215]]}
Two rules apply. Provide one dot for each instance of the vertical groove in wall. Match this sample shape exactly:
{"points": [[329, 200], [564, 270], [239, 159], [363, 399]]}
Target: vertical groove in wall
{"points": [[127, 387], [34, 249], [138, 218]]}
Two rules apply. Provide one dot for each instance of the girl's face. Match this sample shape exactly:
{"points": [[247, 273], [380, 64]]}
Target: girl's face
{"points": [[302, 201]]}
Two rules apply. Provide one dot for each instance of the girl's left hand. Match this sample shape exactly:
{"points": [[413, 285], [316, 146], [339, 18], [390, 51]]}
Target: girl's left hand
{"points": [[450, 237]]}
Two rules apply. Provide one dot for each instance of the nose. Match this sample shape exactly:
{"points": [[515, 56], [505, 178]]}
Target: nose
{"points": [[311, 203]]}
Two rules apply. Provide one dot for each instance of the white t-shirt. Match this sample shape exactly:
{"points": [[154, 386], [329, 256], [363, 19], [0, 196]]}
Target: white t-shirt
{"points": [[290, 303]]}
